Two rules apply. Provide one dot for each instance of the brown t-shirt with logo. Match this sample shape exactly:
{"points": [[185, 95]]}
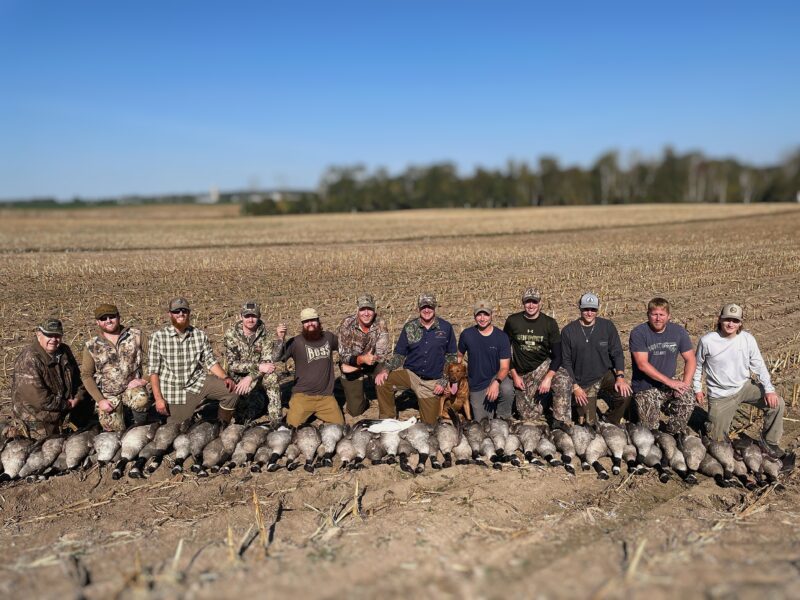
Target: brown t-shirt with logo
{"points": [[313, 363]]}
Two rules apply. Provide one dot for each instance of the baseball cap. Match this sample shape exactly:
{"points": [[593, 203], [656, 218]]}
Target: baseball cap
{"points": [[365, 301], [482, 306], [426, 299], [251, 307], [51, 326], [308, 314], [106, 309], [177, 303], [531, 293], [589, 300], [731, 311]]}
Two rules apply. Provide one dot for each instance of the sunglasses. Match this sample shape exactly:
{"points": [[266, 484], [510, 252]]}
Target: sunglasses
{"points": [[180, 311], [107, 317]]}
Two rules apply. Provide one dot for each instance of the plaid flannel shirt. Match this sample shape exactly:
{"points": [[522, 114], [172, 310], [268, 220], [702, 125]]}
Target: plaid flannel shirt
{"points": [[181, 362]]}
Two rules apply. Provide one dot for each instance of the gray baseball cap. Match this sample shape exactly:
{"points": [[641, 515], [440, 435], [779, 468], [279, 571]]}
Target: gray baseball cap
{"points": [[589, 300]]}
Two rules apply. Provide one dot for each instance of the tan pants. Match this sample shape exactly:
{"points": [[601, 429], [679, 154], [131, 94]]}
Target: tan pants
{"points": [[722, 410], [401, 380], [302, 406], [213, 390]]}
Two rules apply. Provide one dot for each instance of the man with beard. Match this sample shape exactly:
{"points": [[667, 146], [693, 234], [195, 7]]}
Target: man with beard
{"points": [[180, 356], [250, 355], [730, 356], [593, 358], [46, 385], [536, 360], [363, 347], [312, 352], [655, 347], [488, 350], [424, 349], [111, 369]]}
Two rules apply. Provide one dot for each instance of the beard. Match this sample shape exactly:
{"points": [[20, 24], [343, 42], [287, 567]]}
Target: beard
{"points": [[180, 326], [312, 335]]}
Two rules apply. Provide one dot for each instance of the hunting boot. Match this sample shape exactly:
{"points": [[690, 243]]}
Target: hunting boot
{"points": [[224, 416]]}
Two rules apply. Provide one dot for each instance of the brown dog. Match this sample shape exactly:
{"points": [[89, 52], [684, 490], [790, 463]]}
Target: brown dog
{"points": [[456, 395]]}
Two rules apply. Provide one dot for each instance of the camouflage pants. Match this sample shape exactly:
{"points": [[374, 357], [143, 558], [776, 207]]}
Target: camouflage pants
{"points": [[530, 403], [262, 397], [677, 407], [604, 388], [137, 399]]}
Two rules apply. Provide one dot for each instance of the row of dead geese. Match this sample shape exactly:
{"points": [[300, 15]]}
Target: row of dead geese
{"points": [[489, 442]]}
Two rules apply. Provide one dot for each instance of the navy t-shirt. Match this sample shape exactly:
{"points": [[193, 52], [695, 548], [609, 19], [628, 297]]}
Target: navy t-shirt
{"points": [[484, 353], [662, 352], [426, 356]]}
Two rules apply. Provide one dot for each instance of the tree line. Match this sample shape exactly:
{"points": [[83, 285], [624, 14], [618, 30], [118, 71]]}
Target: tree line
{"points": [[689, 177]]}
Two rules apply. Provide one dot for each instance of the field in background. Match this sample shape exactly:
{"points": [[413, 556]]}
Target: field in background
{"points": [[458, 532]]}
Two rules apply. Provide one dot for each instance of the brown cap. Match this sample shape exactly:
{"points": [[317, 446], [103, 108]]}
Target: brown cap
{"points": [[177, 303], [731, 311], [51, 326], [106, 309], [251, 308], [482, 306]]}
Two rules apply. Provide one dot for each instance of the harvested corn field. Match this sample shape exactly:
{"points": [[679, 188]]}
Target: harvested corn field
{"points": [[464, 531]]}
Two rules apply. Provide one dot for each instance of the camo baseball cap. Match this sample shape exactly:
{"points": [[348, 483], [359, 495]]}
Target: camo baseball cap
{"points": [[589, 300], [426, 299], [251, 308], [106, 309], [177, 303], [308, 314], [531, 293], [51, 326], [731, 311], [365, 301], [482, 306]]}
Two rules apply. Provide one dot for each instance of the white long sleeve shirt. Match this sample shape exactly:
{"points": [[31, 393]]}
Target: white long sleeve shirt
{"points": [[728, 363]]}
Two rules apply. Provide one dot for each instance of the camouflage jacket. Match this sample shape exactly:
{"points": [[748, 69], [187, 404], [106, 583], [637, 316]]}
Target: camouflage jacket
{"points": [[41, 384], [111, 367], [243, 354], [353, 341]]}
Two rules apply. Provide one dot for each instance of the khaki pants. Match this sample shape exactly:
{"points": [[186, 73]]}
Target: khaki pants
{"points": [[213, 390], [302, 406], [401, 380], [604, 388], [722, 410]]}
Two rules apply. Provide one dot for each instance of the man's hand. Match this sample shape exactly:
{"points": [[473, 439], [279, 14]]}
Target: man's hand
{"points": [[244, 385], [678, 386], [622, 387], [367, 358], [266, 368], [518, 383], [381, 377], [280, 331], [771, 398], [229, 383], [134, 383], [438, 389], [105, 406], [72, 402], [493, 391], [161, 407], [544, 387], [580, 395], [700, 398]]}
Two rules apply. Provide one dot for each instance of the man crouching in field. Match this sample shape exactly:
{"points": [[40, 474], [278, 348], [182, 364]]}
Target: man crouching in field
{"points": [[179, 356], [46, 385], [111, 369], [312, 352]]}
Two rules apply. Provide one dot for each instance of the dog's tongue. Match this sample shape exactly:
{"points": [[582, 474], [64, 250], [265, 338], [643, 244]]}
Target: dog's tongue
{"points": [[453, 388]]}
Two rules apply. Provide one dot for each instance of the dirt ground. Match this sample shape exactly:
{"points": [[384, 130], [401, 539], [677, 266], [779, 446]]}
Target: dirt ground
{"points": [[461, 532]]}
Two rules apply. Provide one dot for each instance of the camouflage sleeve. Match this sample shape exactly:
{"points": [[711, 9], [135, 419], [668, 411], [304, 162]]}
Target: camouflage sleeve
{"points": [[383, 345], [87, 376], [277, 350], [145, 341], [398, 358], [345, 347], [234, 360]]}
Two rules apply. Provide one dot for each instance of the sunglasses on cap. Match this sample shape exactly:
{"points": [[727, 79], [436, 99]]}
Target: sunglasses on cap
{"points": [[107, 317], [180, 311]]}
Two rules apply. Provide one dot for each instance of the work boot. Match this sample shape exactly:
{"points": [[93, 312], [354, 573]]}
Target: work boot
{"points": [[788, 461], [224, 416], [771, 450]]}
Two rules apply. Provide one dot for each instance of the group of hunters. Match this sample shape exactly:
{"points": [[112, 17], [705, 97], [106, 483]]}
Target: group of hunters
{"points": [[528, 366]]}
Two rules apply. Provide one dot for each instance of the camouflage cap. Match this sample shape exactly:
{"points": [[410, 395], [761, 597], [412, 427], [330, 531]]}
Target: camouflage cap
{"points": [[177, 303], [731, 311], [427, 299], [482, 306], [308, 314], [531, 293], [251, 308], [365, 301], [106, 309], [51, 326]]}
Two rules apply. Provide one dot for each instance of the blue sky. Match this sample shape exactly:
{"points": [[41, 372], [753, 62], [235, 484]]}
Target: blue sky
{"points": [[107, 98]]}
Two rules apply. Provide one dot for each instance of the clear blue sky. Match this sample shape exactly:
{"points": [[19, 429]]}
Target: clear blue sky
{"points": [[111, 97]]}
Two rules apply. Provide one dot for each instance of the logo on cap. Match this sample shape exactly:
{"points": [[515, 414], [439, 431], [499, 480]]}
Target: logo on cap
{"points": [[531, 293], [589, 300], [482, 306], [251, 308], [51, 326], [731, 311], [426, 299]]}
